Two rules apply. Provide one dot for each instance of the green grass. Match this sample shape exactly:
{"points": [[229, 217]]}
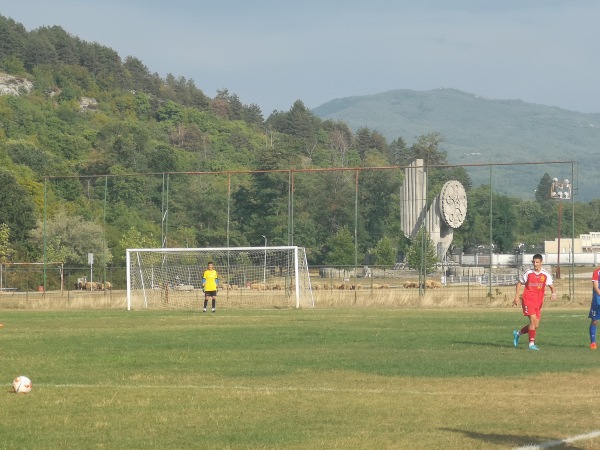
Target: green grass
{"points": [[339, 378]]}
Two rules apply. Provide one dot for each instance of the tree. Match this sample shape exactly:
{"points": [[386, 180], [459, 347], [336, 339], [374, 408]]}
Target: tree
{"points": [[171, 112], [421, 253], [376, 189], [16, 207], [503, 224], [183, 237], [69, 239], [162, 159], [130, 191], [398, 151], [14, 37], [542, 193], [252, 114], [13, 65], [121, 218], [230, 104], [28, 154], [124, 143], [530, 219], [476, 227], [592, 214], [364, 141], [341, 248], [340, 140], [427, 149], [133, 238], [38, 51], [263, 206], [385, 252], [299, 123], [6, 251], [62, 42], [140, 75]]}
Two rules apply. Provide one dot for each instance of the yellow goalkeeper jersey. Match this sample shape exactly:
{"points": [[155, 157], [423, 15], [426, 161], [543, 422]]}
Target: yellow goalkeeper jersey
{"points": [[210, 280]]}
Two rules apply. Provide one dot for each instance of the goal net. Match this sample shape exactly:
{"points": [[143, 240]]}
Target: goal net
{"points": [[253, 277]]}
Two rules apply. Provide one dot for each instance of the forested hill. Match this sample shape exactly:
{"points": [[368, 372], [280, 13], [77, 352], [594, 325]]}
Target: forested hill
{"points": [[86, 138], [99, 154], [480, 130]]}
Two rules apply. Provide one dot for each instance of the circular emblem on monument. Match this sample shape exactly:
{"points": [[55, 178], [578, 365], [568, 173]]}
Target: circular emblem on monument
{"points": [[453, 200]]}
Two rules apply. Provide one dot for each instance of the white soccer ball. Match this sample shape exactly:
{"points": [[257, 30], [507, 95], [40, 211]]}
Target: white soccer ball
{"points": [[21, 385]]}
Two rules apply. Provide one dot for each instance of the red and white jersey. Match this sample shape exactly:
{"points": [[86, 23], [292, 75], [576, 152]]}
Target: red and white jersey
{"points": [[535, 284], [596, 277]]}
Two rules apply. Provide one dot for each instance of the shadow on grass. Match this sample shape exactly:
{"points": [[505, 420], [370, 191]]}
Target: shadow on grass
{"points": [[522, 346], [584, 346], [484, 344], [512, 441]]}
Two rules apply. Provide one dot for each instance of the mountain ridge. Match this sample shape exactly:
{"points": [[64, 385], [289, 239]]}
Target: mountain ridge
{"points": [[478, 130]]}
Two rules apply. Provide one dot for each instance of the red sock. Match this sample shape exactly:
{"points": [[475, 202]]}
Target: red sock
{"points": [[524, 330], [532, 336]]}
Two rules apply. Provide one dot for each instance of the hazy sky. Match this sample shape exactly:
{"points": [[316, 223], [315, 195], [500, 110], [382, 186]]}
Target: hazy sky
{"points": [[274, 52]]}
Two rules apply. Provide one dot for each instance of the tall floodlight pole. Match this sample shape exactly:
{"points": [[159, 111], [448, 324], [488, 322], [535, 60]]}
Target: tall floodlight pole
{"points": [[572, 256], [265, 267], [559, 190], [91, 263]]}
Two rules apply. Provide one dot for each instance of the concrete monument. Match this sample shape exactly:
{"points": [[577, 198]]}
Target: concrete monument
{"points": [[447, 211]]}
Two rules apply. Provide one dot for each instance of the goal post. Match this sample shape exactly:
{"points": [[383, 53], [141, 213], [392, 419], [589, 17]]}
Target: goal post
{"points": [[249, 277]]}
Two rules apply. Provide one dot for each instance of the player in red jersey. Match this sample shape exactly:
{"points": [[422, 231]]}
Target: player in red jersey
{"points": [[535, 281]]}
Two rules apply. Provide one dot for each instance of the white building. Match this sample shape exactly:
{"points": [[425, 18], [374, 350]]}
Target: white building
{"points": [[590, 243], [585, 243]]}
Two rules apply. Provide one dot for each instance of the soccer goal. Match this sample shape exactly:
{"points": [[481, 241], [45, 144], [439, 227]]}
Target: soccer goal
{"points": [[253, 277]]}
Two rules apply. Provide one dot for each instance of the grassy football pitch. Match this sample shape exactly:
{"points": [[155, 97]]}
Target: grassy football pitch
{"points": [[297, 379]]}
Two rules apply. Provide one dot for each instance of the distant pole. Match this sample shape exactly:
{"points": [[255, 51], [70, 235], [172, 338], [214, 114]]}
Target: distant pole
{"points": [[104, 245], [559, 190], [228, 213], [45, 206], [560, 203], [572, 255], [91, 263], [355, 232], [265, 266], [491, 234]]}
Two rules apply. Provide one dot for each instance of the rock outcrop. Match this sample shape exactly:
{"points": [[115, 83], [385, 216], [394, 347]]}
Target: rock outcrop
{"points": [[11, 85]]}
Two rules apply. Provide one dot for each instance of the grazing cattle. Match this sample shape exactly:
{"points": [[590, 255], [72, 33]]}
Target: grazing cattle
{"points": [[92, 286], [229, 287], [431, 284], [258, 287], [80, 283]]}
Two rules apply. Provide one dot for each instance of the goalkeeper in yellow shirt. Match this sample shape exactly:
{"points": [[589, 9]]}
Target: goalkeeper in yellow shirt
{"points": [[210, 284]]}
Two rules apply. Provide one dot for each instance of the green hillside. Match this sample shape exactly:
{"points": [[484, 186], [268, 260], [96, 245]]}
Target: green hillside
{"points": [[99, 154], [479, 130]]}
